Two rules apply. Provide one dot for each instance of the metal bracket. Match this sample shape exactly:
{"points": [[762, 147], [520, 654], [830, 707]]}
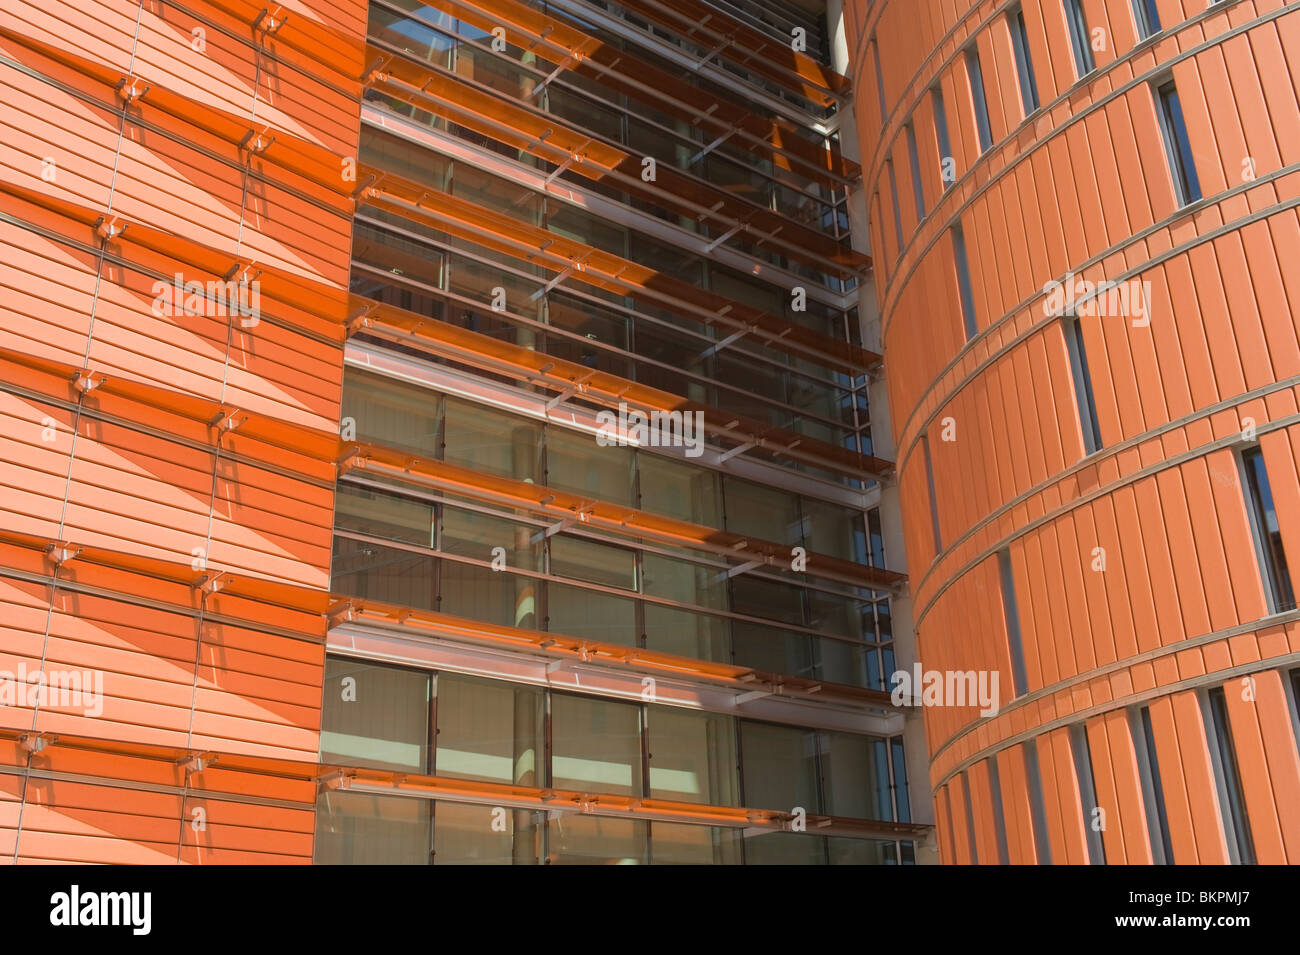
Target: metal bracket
{"points": [[62, 553], [131, 88]]}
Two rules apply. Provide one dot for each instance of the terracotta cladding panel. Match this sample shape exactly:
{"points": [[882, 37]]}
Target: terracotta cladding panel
{"points": [[243, 676], [1146, 546]]}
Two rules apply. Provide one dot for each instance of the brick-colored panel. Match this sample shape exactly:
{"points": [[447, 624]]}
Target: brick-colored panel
{"points": [[1135, 567]]}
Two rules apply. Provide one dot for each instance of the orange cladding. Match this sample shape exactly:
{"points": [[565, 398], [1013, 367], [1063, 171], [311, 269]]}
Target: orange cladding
{"points": [[177, 199], [1131, 567]]}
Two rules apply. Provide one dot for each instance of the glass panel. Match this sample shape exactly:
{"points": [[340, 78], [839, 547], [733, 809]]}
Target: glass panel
{"points": [[496, 194], [361, 829], [862, 852], [465, 834], [686, 634], [832, 613], [679, 490], [785, 848], [765, 513], [371, 512], [833, 530], [684, 582], [488, 440], [489, 730], [771, 649], [384, 574], [595, 745], [392, 413], [576, 463], [604, 618], [596, 563], [674, 844], [492, 596], [767, 599], [375, 715], [692, 756], [404, 157], [850, 773], [780, 765], [597, 840], [412, 36], [471, 534]]}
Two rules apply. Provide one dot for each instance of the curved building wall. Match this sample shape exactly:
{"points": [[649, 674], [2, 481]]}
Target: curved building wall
{"points": [[1098, 506]]}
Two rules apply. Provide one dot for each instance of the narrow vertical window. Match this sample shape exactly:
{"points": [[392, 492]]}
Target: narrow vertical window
{"points": [[1024, 62], [970, 819], [963, 282], [999, 818], [1147, 17], [914, 163], [1015, 645], [1083, 395], [880, 80], [1292, 688], [1037, 809], [1178, 147], [947, 164], [976, 77], [1267, 532], [1232, 800], [1153, 794], [934, 502], [876, 537], [1082, 754], [1080, 42], [898, 212]]}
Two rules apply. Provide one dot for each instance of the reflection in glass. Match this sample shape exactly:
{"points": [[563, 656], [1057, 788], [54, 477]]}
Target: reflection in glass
{"points": [[692, 756]]}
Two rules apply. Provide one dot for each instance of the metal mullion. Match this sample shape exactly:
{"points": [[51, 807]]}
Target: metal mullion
{"points": [[432, 734]]}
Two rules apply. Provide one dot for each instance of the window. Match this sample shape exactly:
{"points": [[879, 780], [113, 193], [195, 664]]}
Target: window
{"points": [[393, 413], [1037, 810], [1153, 795], [947, 164], [1020, 680], [1267, 532], [1082, 754], [1079, 39], [934, 501], [970, 819], [976, 77], [880, 80], [1178, 146], [692, 756], [914, 163], [362, 829], [595, 745], [1024, 62], [999, 817], [852, 768], [1147, 18], [490, 730], [1083, 395], [374, 715], [898, 212], [1227, 777], [780, 767], [963, 282]]}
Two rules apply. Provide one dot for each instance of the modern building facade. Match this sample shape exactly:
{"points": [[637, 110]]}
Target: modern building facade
{"points": [[1084, 229], [443, 433], [474, 431]]}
